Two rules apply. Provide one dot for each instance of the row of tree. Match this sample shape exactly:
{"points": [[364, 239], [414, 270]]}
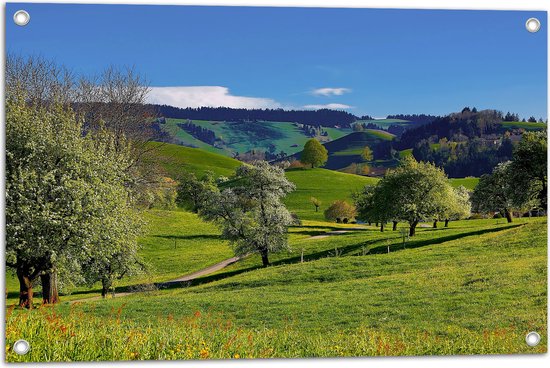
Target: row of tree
{"points": [[75, 175], [321, 117], [199, 132], [413, 192], [416, 118]]}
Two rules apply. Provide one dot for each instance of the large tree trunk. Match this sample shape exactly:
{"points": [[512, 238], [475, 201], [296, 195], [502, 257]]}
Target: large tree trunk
{"points": [[25, 289], [381, 227], [265, 260], [394, 225], [50, 295], [508, 215], [106, 286], [412, 229], [446, 222], [435, 224], [316, 209]]}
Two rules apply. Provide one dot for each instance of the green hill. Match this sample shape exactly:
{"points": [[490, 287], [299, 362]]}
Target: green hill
{"points": [[322, 184], [173, 158], [347, 150], [242, 137]]}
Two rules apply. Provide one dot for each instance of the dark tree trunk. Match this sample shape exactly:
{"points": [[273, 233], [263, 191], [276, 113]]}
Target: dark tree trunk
{"points": [[508, 215], [50, 294], [376, 224], [106, 286], [446, 222], [412, 229], [316, 209], [381, 227], [435, 224], [394, 225], [265, 260], [25, 289]]}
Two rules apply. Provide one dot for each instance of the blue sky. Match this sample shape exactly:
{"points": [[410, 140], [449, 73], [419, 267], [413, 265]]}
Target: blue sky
{"points": [[367, 61]]}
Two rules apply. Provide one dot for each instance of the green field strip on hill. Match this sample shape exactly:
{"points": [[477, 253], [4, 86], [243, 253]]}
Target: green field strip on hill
{"points": [[524, 125]]}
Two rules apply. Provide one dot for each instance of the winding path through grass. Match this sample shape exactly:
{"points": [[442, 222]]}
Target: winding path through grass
{"points": [[200, 273]]}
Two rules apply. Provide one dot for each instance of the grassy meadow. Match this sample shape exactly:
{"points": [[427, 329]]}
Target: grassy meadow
{"points": [[466, 289], [476, 287]]}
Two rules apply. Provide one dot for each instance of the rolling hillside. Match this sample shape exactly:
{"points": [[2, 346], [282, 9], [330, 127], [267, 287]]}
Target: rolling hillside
{"points": [[323, 184], [241, 137], [326, 185], [347, 149], [173, 158]]}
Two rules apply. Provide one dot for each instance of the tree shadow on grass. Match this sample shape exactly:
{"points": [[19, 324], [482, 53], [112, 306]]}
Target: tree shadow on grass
{"points": [[331, 228], [309, 232], [347, 250], [422, 243], [343, 251], [188, 237]]}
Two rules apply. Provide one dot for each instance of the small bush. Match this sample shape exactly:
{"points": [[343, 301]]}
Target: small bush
{"points": [[340, 211], [296, 165]]}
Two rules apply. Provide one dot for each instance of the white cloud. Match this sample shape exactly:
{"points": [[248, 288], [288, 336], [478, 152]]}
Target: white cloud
{"points": [[330, 91], [207, 96], [333, 106]]}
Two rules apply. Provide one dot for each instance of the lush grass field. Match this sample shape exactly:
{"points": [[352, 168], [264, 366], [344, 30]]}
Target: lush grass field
{"points": [[469, 182], [476, 287], [326, 185], [174, 159]]}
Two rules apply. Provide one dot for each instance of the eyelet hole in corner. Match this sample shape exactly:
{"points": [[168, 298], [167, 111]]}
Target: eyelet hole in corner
{"points": [[532, 339], [532, 25], [21, 347], [21, 18]]}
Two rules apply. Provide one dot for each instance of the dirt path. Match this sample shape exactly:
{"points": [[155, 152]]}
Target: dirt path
{"points": [[208, 270], [205, 271]]}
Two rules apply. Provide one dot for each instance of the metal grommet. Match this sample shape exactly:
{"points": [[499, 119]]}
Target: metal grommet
{"points": [[532, 338], [21, 18], [532, 25], [21, 347]]}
